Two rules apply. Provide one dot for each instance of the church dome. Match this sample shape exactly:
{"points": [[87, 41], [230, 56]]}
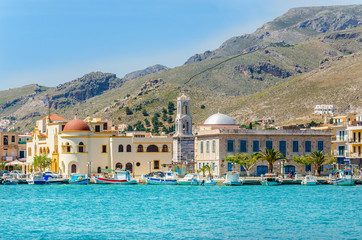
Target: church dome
{"points": [[76, 125], [219, 119]]}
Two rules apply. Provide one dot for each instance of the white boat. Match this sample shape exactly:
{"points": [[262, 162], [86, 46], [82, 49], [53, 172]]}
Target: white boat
{"points": [[343, 178], [208, 182], [233, 179], [36, 179], [270, 179], [9, 180], [190, 179], [164, 178], [118, 177], [309, 180]]}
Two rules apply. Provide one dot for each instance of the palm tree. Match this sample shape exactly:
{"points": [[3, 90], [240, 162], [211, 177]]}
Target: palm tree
{"points": [[246, 160], [317, 158], [42, 162], [203, 170], [2, 165], [208, 168], [271, 156]]}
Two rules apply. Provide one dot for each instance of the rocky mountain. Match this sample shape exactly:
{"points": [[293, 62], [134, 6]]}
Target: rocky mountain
{"points": [[295, 26], [150, 70]]}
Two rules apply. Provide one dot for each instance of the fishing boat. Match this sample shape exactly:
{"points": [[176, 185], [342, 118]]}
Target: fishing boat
{"points": [[166, 178], [9, 180], [343, 178], [270, 179], [118, 177], [232, 179], [309, 180], [190, 179], [79, 179], [36, 179], [208, 182], [50, 179]]}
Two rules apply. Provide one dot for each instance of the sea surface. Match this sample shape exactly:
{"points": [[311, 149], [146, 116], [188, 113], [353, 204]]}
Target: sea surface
{"points": [[180, 212]]}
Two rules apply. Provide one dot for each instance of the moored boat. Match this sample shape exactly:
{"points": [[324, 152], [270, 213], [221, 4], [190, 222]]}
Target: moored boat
{"points": [[190, 179], [233, 179], [208, 182], [343, 178], [79, 179], [36, 179], [54, 180], [309, 180], [8, 180], [165, 178], [118, 177], [270, 179]]}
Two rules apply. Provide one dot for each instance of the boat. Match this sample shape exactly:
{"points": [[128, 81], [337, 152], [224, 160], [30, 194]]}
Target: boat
{"points": [[232, 179], [36, 179], [270, 179], [19, 175], [118, 177], [79, 179], [190, 179], [208, 182], [50, 179], [343, 178], [166, 178], [9, 180], [309, 180]]}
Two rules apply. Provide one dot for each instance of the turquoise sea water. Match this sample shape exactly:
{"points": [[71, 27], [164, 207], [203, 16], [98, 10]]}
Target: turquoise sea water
{"points": [[180, 212]]}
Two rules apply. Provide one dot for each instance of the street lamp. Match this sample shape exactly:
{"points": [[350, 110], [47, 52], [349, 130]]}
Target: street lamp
{"points": [[89, 164]]}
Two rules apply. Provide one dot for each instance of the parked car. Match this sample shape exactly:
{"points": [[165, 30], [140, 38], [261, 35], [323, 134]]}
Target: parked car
{"points": [[2, 172], [53, 174]]}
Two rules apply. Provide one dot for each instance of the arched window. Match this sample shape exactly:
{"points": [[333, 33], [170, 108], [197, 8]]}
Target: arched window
{"points": [[152, 148], [120, 148], [129, 167], [80, 147], [140, 148], [119, 165], [40, 150], [164, 148], [68, 146], [48, 151], [106, 167], [129, 148], [74, 168], [99, 170]]}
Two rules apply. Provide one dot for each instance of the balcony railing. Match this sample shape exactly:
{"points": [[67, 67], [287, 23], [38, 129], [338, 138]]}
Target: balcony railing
{"points": [[354, 155], [355, 140], [339, 138]]}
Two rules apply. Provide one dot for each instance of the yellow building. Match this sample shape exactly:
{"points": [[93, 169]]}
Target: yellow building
{"points": [[81, 147]]}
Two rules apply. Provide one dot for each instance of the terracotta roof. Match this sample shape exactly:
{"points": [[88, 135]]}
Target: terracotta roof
{"points": [[54, 117], [76, 125]]}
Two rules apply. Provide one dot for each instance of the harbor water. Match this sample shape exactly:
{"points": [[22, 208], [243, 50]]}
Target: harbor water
{"points": [[180, 212]]}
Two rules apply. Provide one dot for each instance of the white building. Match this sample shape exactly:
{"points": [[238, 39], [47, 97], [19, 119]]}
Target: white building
{"points": [[324, 109]]}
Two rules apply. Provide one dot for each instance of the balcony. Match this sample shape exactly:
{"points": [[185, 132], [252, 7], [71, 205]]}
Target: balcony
{"points": [[339, 139], [354, 155], [8, 158], [355, 140], [338, 153]]}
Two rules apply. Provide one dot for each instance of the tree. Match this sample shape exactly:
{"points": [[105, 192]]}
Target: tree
{"points": [[145, 113], [42, 162], [250, 125], [148, 124], [331, 121], [171, 108], [139, 126], [271, 156], [169, 119], [164, 111], [317, 158], [128, 111], [129, 128], [246, 160], [203, 170], [208, 168], [202, 106], [2, 165]]}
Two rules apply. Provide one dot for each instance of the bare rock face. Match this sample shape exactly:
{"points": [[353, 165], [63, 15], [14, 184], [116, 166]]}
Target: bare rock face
{"points": [[253, 71], [150, 85]]}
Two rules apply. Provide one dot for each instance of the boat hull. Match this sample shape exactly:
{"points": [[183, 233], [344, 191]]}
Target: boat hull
{"points": [[10, 183], [233, 183], [98, 180], [80, 182], [268, 183], [156, 181], [37, 182], [189, 183], [308, 183], [344, 182]]}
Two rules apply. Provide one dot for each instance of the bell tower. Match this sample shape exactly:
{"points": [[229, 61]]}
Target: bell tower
{"points": [[183, 139]]}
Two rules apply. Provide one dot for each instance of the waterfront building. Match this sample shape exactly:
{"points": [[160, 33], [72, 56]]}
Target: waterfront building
{"points": [[8, 146], [325, 109], [219, 137], [81, 147], [183, 139]]}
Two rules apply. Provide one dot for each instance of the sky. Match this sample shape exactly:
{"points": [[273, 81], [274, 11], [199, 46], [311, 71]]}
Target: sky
{"points": [[53, 42]]}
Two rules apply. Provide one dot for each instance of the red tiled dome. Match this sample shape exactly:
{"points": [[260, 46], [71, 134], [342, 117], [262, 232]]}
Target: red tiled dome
{"points": [[76, 125]]}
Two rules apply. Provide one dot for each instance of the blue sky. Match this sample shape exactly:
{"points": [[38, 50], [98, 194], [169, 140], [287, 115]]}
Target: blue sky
{"points": [[52, 42]]}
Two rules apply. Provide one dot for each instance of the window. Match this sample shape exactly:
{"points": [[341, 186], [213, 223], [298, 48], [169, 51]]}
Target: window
{"points": [[230, 167], [201, 147], [152, 148], [308, 167], [164, 148], [213, 166], [97, 128], [22, 154], [199, 165], [129, 148], [213, 146], [81, 147], [6, 140], [230, 145], [308, 146], [243, 146], [104, 148], [269, 144], [119, 165], [156, 164], [283, 147], [140, 148], [129, 167], [322, 168], [74, 168], [12, 138], [207, 146], [341, 150], [138, 164], [120, 148], [68, 147], [255, 146], [320, 145], [242, 169], [295, 146], [99, 170], [29, 151]]}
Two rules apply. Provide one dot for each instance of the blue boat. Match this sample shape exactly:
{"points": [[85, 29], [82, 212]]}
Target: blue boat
{"points": [[36, 179], [79, 179], [162, 178]]}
